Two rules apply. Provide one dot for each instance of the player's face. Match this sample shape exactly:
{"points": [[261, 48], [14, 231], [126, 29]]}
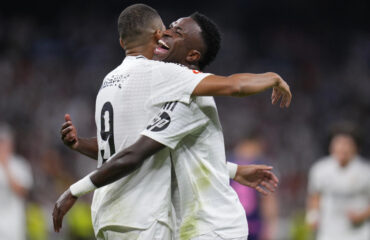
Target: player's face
{"points": [[182, 36], [343, 148]]}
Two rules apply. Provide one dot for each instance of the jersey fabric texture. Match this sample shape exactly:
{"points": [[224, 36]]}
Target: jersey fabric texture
{"points": [[128, 98], [158, 231], [342, 189], [206, 201]]}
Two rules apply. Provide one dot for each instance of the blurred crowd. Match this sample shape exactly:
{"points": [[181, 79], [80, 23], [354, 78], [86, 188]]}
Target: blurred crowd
{"points": [[52, 62]]}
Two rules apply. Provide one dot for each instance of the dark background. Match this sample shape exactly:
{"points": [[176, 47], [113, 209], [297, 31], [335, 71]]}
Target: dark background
{"points": [[54, 55]]}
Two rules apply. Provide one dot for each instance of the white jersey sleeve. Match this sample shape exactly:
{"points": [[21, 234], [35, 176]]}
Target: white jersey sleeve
{"points": [[173, 82], [175, 121]]}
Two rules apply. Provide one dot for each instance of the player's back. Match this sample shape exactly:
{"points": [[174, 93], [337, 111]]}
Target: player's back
{"points": [[121, 113]]}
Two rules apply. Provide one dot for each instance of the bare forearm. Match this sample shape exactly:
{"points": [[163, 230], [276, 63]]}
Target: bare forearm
{"points": [[366, 214], [125, 161], [88, 147], [241, 84], [313, 208], [121, 165], [248, 83], [313, 202]]}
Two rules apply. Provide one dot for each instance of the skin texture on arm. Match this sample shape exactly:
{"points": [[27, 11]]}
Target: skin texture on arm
{"points": [[359, 217], [88, 147], [258, 177], [14, 185], [245, 84], [6, 151], [85, 146], [126, 161], [313, 206]]}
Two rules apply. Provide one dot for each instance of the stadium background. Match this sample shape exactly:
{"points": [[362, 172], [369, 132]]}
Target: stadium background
{"points": [[54, 55]]}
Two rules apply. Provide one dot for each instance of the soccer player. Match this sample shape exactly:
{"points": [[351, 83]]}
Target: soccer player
{"points": [[15, 183], [125, 93], [339, 192]]}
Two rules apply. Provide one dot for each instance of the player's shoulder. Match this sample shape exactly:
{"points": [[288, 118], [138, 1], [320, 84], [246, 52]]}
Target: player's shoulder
{"points": [[322, 164], [115, 71], [130, 64], [363, 163], [168, 66]]}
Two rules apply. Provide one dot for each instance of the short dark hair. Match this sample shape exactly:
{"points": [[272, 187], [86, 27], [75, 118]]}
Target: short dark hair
{"points": [[346, 128], [211, 37], [134, 20]]}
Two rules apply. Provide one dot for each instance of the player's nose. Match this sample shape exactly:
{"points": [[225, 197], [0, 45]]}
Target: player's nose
{"points": [[167, 33]]}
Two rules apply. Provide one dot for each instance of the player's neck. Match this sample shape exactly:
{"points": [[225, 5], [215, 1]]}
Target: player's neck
{"points": [[345, 163], [140, 50], [193, 66]]}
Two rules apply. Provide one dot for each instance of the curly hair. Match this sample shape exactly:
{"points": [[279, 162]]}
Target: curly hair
{"points": [[211, 37]]}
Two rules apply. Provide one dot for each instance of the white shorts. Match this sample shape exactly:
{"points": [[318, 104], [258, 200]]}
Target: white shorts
{"points": [[214, 236], [158, 231]]}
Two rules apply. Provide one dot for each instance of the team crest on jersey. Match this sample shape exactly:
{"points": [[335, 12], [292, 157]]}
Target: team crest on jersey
{"points": [[115, 80], [163, 120]]}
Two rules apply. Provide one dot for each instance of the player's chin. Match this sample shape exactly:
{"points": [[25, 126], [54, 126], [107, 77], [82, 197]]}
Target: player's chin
{"points": [[160, 54]]}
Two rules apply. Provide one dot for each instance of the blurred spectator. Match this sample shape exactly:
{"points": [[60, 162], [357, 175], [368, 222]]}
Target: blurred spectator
{"points": [[339, 192], [261, 211], [15, 182]]}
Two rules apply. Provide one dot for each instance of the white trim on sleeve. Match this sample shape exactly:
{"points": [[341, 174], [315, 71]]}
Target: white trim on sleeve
{"points": [[232, 167]]}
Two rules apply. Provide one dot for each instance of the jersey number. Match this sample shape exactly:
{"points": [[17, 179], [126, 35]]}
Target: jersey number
{"points": [[106, 129]]}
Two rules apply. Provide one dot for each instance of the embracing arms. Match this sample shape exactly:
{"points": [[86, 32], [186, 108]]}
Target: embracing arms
{"points": [[120, 165], [130, 159], [237, 85], [245, 84]]}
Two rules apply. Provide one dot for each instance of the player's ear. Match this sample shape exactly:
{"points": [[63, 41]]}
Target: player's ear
{"points": [[121, 43], [193, 56], [158, 34]]}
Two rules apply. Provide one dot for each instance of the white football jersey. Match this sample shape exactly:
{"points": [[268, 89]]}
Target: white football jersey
{"points": [[206, 201], [126, 101], [12, 206], [342, 190]]}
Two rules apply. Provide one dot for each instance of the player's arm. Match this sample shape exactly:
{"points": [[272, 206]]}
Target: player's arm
{"points": [[359, 217], [18, 188], [120, 165], [313, 210], [315, 189], [259, 177], [126, 161], [85, 146], [161, 132], [245, 84]]}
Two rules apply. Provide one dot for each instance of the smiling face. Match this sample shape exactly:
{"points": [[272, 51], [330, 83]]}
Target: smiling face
{"points": [[181, 43]]}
